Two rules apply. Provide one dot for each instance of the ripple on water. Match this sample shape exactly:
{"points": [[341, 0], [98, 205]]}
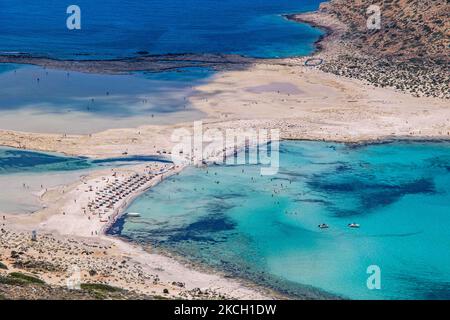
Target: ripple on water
{"points": [[265, 228]]}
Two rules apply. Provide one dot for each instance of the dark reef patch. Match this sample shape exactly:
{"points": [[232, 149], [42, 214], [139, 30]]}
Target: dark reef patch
{"points": [[371, 195]]}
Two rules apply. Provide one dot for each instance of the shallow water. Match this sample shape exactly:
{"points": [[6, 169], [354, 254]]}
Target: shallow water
{"points": [[265, 228], [19, 161], [42, 100], [25, 174], [35, 99], [119, 28]]}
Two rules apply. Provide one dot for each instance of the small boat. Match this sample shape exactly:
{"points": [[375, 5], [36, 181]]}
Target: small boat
{"points": [[353, 225], [133, 214], [323, 226]]}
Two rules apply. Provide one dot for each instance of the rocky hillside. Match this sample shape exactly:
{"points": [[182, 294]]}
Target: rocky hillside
{"points": [[21, 286], [410, 29], [409, 52]]}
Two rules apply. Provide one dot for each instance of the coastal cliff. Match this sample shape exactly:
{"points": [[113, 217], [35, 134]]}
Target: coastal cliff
{"points": [[409, 51], [410, 30]]}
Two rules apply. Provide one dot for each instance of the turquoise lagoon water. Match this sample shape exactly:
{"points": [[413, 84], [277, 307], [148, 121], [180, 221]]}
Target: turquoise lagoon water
{"points": [[120, 28], [266, 228]]}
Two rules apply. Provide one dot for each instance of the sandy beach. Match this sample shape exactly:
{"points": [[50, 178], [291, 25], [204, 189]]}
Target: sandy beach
{"points": [[303, 102], [69, 228]]}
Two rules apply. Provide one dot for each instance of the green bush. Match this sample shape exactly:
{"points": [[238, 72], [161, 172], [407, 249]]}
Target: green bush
{"points": [[25, 278], [99, 287], [11, 281]]}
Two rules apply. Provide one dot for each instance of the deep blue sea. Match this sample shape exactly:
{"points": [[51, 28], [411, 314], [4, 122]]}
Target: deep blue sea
{"points": [[229, 217], [121, 28], [52, 101], [265, 228]]}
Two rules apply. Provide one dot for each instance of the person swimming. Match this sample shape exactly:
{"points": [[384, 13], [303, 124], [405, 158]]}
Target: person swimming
{"points": [[353, 225]]}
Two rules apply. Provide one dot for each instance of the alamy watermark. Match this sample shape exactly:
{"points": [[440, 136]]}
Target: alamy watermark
{"points": [[374, 280], [374, 19], [73, 281], [227, 146], [73, 22]]}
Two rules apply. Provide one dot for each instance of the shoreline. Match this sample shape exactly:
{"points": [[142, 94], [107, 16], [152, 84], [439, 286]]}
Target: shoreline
{"points": [[133, 250], [381, 140], [352, 51], [148, 63], [265, 291], [120, 211], [308, 292], [328, 107], [247, 283], [327, 29], [161, 62]]}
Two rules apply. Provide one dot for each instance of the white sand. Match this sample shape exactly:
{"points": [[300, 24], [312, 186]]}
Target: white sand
{"points": [[303, 102], [67, 214], [17, 199]]}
